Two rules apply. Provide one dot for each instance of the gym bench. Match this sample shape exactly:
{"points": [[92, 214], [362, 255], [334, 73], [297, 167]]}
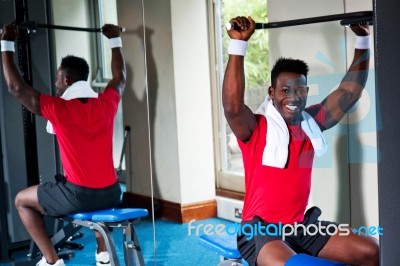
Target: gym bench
{"points": [[101, 221], [225, 246]]}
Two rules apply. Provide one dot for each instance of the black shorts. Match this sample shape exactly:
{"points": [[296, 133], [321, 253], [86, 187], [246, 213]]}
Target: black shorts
{"points": [[62, 198], [250, 243]]}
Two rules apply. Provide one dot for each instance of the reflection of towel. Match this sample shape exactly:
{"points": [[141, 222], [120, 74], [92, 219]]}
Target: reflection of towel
{"points": [[80, 89], [277, 147]]}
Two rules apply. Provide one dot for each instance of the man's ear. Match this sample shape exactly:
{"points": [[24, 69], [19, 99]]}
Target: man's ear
{"points": [[67, 80], [271, 92]]}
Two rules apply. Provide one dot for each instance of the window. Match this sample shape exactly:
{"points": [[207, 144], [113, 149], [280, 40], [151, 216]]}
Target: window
{"points": [[107, 14], [230, 167]]}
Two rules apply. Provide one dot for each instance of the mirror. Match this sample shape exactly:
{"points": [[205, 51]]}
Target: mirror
{"points": [[344, 179]]}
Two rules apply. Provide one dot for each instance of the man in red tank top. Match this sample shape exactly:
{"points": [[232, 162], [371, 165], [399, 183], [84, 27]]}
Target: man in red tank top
{"points": [[278, 151]]}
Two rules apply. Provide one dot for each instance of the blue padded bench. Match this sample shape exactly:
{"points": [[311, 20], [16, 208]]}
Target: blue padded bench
{"points": [[101, 221], [121, 218], [225, 246]]}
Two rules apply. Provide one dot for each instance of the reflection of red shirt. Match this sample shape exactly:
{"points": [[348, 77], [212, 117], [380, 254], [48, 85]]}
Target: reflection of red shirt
{"points": [[84, 132], [275, 194]]}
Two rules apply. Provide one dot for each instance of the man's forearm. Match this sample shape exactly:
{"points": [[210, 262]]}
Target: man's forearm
{"points": [[118, 68], [25, 94], [117, 63], [12, 76], [233, 85], [358, 70]]}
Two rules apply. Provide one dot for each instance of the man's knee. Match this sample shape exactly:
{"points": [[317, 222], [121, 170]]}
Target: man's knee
{"points": [[19, 200], [27, 198], [274, 253], [371, 252], [366, 253]]}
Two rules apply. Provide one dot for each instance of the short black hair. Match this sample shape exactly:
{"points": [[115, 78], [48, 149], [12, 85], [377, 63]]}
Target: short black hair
{"points": [[75, 67], [284, 64]]}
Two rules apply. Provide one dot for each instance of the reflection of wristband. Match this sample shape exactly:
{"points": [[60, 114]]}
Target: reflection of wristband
{"points": [[237, 47], [7, 46], [362, 42], [115, 42]]}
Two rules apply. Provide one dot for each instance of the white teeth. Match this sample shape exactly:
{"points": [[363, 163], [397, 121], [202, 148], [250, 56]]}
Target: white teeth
{"points": [[292, 107]]}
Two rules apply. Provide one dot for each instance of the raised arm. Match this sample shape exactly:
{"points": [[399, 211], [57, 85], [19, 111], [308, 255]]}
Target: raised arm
{"points": [[350, 89], [25, 94], [117, 59], [239, 116]]}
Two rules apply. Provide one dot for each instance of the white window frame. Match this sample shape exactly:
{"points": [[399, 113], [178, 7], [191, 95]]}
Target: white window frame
{"points": [[227, 178]]}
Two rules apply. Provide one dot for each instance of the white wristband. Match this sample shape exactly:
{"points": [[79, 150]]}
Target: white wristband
{"points": [[7, 46], [362, 42], [237, 47], [115, 42]]}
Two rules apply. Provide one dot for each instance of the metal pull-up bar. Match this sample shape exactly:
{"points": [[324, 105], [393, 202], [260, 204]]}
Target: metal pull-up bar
{"points": [[32, 26], [345, 19]]}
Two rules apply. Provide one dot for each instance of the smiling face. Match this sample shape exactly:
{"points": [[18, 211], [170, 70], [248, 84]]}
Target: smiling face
{"points": [[290, 96]]}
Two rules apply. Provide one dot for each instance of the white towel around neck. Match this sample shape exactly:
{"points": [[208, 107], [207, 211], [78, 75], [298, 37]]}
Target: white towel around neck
{"points": [[79, 89], [277, 147]]}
